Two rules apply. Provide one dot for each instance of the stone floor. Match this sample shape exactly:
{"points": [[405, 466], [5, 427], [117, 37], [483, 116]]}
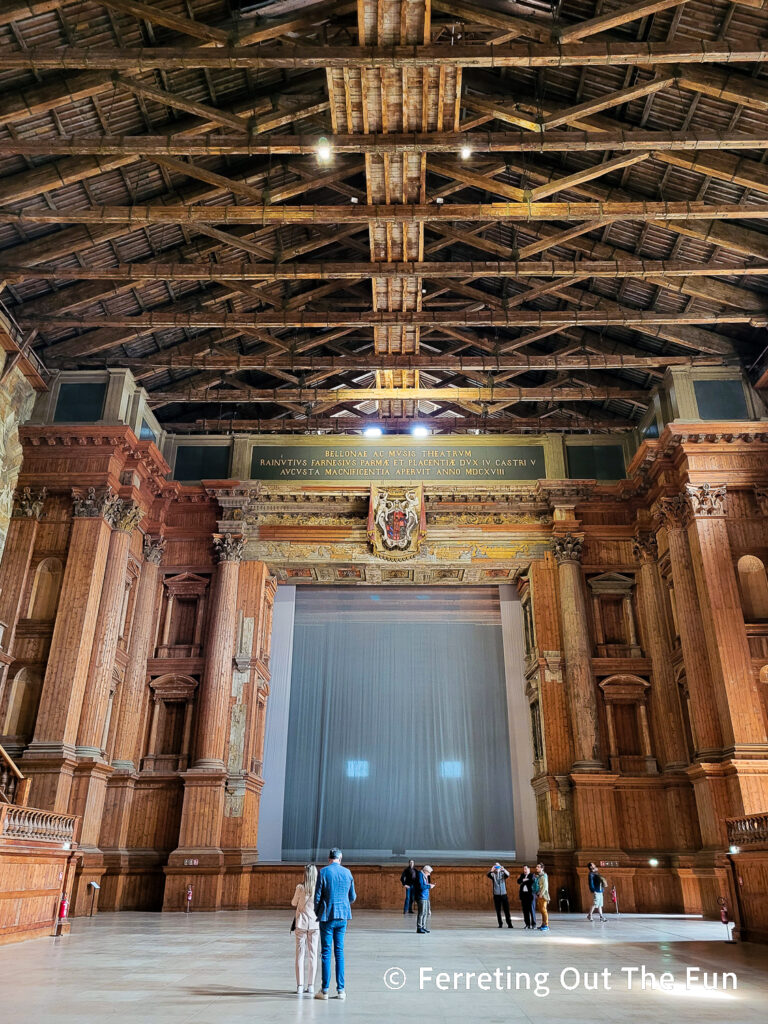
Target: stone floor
{"points": [[229, 968]]}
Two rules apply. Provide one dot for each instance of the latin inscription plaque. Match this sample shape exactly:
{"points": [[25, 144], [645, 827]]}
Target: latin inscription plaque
{"points": [[384, 460]]}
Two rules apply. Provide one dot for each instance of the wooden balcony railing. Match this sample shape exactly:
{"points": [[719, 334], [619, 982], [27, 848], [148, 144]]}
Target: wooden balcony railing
{"points": [[32, 825], [749, 831], [13, 785]]}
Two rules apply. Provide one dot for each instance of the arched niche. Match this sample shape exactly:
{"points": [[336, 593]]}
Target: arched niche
{"points": [[46, 586], [22, 706], [753, 586]]}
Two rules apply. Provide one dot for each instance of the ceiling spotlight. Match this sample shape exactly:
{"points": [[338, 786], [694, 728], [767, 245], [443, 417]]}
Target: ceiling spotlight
{"points": [[373, 432], [353, 199], [420, 431], [466, 152], [439, 200], [653, 862], [734, 849], [323, 150]]}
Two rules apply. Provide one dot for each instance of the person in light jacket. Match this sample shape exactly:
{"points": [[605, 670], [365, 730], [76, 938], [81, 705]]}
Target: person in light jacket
{"points": [[307, 931], [541, 883], [499, 875]]}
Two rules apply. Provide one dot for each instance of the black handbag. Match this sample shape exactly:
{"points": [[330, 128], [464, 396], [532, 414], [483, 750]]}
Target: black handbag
{"points": [[293, 924]]}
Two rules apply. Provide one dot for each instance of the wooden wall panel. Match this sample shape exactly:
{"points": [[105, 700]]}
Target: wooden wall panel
{"points": [[30, 886]]}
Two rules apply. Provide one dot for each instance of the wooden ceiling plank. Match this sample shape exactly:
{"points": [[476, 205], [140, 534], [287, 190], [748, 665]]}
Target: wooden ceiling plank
{"points": [[613, 19]]}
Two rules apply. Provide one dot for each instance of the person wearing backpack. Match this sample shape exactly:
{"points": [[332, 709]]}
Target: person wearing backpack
{"points": [[597, 886]]}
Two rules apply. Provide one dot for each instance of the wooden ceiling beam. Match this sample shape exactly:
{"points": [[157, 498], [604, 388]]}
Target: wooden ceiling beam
{"points": [[547, 393], [219, 360], [606, 101], [191, 142], [618, 317], [441, 424], [321, 270], [613, 19], [534, 55], [175, 22], [507, 23], [142, 215]]}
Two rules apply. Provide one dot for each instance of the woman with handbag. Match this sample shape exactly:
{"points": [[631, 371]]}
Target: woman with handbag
{"points": [[307, 931]]}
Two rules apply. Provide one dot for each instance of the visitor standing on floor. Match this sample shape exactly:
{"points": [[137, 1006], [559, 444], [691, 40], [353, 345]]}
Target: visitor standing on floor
{"points": [[408, 879], [422, 891], [525, 882], [498, 876], [333, 898], [307, 931], [542, 896], [597, 886]]}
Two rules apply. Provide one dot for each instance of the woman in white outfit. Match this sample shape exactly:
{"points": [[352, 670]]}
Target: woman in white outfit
{"points": [[307, 930]]}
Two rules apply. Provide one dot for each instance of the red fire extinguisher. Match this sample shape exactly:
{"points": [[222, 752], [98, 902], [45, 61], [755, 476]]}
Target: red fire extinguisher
{"points": [[61, 915], [189, 898]]}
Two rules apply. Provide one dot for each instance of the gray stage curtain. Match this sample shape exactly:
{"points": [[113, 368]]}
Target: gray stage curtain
{"points": [[398, 737]]}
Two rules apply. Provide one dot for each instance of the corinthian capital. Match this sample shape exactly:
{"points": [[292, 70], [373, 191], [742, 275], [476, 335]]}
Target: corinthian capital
{"points": [[671, 513], [229, 546], [706, 499], [127, 517], [645, 547], [93, 504], [567, 548], [154, 548], [28, 504]]}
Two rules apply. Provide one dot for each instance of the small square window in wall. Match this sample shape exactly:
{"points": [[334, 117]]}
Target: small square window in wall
{"points": [[596, 462], [358, 769], [721, 399], [201, 462], [452, 769], [80, 402]]}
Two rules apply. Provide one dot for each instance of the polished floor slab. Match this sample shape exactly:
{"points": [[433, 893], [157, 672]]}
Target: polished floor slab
{"points": [[229, 968]]}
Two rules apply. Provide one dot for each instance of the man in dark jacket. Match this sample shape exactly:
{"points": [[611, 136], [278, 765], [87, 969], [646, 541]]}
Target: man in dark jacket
{"points": [[422, 891], [499, 875], [597, 886], [408, 879], [527, 896]]}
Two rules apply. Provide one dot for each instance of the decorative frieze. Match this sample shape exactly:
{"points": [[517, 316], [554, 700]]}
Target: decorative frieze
{"points": [[229, 547], [28, 504], [567, 548]]}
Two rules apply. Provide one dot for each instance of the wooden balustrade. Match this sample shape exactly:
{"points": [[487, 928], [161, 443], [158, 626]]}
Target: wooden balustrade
{"points": [[750, 830], [30, 824]]}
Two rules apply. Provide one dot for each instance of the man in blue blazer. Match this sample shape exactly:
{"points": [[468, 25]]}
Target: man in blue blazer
{"points": [[334, 893]]}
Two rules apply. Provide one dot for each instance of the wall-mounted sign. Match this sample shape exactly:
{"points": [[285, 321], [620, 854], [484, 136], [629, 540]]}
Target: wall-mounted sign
{"points": [[362, 460]]}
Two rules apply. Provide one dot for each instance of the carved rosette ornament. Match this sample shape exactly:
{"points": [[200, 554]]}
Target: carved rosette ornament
{"points": [[127, 517], [567, 548], [230, 547], [706, 499], [92, 504], [645, 547], [154, 549], [28, 504]]}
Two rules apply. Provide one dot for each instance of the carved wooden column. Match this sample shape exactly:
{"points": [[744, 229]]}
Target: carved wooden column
{"points": [[206, 784], [118, 803], [665, 705], [742, 720], [671, 514], [14, 568], [90, 734], [216, 685], [49, 760], [582, 700], [132, 692]]}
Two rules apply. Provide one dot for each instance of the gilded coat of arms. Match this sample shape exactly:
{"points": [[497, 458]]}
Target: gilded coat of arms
{"points": [[396, 523]]}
